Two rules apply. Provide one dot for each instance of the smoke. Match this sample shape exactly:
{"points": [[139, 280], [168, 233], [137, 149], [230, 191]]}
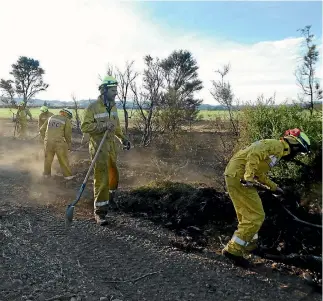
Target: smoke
{"points": [[21, 162], [192, 161]]}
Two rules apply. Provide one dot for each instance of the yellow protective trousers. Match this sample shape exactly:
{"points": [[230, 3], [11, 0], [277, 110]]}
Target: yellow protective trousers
{"points": [[61, 150], [250, 215], [22, 129], [106, 176]]}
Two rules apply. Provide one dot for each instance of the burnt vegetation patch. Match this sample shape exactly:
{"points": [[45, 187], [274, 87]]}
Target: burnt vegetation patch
{"points": [[196, 212]]}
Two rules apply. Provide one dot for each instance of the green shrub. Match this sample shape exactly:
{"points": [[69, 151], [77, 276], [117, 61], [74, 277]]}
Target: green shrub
{"points": [[265, 120]]}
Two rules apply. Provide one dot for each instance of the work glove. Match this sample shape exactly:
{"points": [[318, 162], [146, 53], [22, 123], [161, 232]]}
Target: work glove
{"points": [[106, 126], [245, 183], [126, 144]]}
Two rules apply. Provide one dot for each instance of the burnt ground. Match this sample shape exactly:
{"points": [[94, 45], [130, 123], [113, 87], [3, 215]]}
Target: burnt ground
{"points": [[159, 245]]}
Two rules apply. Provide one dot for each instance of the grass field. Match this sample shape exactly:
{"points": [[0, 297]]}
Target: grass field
{"points": [[205, 115]]}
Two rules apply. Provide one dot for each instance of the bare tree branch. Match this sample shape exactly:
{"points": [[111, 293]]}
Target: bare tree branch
{"points": [[125, 79], [222, 93], [305, 73], [77, 111]]}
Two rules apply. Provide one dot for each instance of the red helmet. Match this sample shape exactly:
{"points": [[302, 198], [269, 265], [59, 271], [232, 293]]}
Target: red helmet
{"points": [[293, 132], [296, 136]]}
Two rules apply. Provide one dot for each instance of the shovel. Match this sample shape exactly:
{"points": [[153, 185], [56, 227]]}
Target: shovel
{"points": [[70, 207]]}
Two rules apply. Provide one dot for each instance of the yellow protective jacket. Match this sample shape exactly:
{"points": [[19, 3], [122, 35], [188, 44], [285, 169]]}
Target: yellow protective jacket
{"points": [[253, 162], [95, 116], [57, 128], [43, 117], [22, 115]]}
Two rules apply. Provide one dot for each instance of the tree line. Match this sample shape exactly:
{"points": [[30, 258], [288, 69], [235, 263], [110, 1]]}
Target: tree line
{"points": [[164, 93]]}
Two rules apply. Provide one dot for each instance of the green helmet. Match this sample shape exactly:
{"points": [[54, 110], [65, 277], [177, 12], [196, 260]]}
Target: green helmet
{"points": [[297, 137], [43, 109], [108, 81], [68, 113]]}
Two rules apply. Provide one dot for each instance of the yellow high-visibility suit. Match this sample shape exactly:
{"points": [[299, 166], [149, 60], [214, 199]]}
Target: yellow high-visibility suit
{"points": [[106, 174], [43, 117], [57, 135], [21, 120], [251, 164]]}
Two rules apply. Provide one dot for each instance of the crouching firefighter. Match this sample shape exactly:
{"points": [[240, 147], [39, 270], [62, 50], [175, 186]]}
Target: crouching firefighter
{"points": [[99, 117], [251, 165], [57, 135]]}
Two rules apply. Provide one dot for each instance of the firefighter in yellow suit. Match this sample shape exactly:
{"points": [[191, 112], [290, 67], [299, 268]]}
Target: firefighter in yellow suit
{"points": [[57, 135], [251, 165], [21, 119], [101, 116], [43, 116]]}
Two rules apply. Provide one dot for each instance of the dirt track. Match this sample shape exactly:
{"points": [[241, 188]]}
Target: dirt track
{"points": [[131, 259]]}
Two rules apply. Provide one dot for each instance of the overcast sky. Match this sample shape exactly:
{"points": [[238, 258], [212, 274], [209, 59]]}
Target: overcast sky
{"points": [[75, 40]]}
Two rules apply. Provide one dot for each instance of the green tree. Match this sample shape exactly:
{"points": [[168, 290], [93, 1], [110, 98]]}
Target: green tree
{"points": [[305, 73], [8, 92], [179, 106], [28, 78], [147, 98]]}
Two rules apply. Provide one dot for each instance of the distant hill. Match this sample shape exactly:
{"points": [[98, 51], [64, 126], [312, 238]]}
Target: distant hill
{"points": [[85, 102], [52, 103], [130, 105]]}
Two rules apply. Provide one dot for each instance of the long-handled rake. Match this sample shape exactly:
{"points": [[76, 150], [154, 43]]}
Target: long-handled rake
{"points": [[16, 129], [264, 188], [70, 207]]}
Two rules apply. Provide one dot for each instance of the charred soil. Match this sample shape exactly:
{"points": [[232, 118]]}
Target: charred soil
{"points": [[162, 243]]}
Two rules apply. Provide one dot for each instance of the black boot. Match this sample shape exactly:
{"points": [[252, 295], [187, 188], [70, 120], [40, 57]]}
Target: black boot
{"points": [[100, 216], [237, 260], [112, 203]]}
